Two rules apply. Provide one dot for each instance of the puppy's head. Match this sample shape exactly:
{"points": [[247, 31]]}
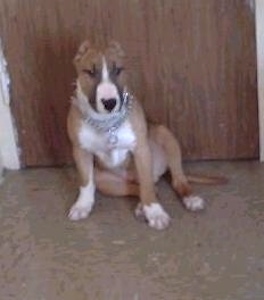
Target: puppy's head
{"points": [[101, 76]]}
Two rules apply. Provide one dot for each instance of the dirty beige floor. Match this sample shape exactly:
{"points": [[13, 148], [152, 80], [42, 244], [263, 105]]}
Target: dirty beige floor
{"points": [[217, 254]]}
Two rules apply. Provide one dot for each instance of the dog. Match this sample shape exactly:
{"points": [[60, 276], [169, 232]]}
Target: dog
{"points": [[116, 151]]}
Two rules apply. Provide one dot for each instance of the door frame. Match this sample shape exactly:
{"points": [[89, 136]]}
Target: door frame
{"points": [[9, 151], [260, 71]]}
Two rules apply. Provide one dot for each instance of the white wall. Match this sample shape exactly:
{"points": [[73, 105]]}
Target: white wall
{"points": [[9, 154]]}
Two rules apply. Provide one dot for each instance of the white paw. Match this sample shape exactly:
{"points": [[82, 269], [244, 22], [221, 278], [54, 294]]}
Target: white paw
{"points": [[194, 203], [78, 212], [155, 215], [83, 206]]}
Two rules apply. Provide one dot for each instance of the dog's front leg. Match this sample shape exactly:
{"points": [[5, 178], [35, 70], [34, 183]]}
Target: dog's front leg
{"points": [[149, 206], [83, 206]]}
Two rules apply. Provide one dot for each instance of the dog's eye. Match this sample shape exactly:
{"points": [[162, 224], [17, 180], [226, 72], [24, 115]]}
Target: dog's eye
{"points": [[117, 70], [91, 72]]}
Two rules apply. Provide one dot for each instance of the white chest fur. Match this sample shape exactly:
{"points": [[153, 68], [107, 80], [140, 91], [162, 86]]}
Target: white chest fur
{"points": [[98, 144]]}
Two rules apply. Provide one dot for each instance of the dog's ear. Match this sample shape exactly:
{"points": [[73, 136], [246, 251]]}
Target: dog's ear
{"points": [[84, 47], [116, 48]]}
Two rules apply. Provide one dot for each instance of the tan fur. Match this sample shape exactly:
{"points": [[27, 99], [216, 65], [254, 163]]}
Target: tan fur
{"points": [[156, 148]]}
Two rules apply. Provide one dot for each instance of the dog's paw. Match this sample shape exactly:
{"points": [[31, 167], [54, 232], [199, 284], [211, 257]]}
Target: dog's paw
{"points": [[194, 203], [154, 214], [78, 212]]}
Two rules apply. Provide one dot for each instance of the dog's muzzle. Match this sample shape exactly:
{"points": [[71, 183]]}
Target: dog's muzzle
{"points": [[107, 98]]}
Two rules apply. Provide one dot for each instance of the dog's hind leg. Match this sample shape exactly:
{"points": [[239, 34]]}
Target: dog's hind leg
{"points": [[114, 185], [163, 137]]}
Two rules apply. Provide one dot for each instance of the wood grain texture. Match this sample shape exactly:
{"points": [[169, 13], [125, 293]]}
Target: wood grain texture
{"points": [[192, 63]]}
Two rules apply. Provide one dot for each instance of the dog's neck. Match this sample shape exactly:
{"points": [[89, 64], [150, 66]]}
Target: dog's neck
{"points": [[102, 123]]}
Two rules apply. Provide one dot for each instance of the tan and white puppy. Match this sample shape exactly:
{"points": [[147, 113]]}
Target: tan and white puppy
{"points": [[129, 158]]}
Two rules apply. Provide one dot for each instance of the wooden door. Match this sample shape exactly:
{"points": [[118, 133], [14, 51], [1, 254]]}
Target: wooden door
{"points": [[192, 63]]}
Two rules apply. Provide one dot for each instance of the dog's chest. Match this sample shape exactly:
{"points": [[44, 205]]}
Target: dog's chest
{"points": [[111, 155]]}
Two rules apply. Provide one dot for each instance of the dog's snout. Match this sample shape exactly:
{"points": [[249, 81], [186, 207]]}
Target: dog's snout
{"points": [[109, 104], [107, 97]]}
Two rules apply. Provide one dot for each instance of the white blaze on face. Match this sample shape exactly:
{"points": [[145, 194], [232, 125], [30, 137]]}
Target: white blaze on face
{"points": [[106, 91], [105, 72]]}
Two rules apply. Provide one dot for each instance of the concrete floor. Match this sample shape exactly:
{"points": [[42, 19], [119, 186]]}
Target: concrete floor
{"points": [[216, 255]]}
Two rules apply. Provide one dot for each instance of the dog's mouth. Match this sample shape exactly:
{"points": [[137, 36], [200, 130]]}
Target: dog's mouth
{"points": [[101, 101], [109, 109]]}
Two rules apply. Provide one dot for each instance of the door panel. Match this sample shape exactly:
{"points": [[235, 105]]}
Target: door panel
{"points": [[192, 64]]}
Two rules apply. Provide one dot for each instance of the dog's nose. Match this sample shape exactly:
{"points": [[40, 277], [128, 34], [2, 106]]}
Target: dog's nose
{"points": [[109, 104]]}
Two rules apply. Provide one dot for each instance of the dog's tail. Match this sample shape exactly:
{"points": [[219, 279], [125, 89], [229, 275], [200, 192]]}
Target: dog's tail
{"points": [[204, 179]]}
